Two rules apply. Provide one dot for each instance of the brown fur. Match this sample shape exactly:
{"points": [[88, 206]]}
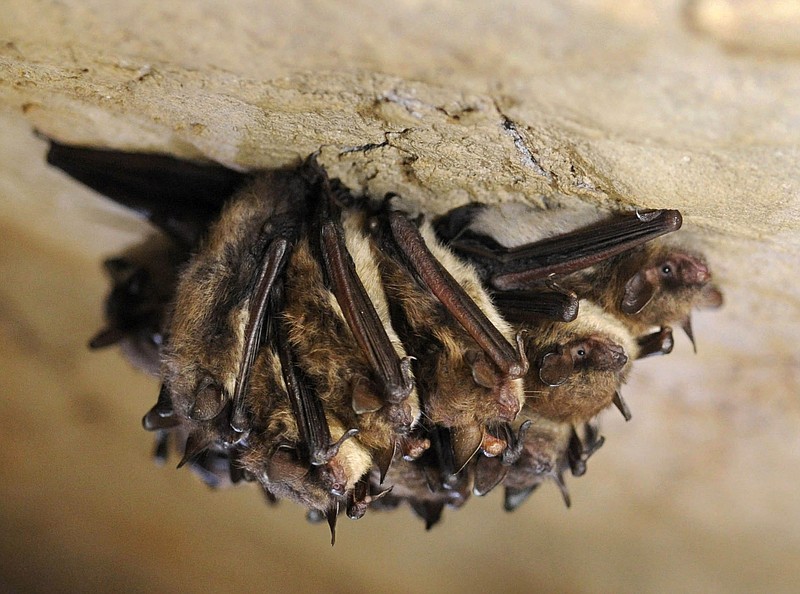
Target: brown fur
{"points": [[671, 304], [588, 390], [332, 359], [210, 311]]}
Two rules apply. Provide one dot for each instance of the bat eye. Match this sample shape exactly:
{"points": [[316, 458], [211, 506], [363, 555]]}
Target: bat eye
{"points": [[666, 270], [579, 354]]}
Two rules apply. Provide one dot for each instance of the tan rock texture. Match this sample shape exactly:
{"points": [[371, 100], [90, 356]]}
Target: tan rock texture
{"points": [[682, 104]]}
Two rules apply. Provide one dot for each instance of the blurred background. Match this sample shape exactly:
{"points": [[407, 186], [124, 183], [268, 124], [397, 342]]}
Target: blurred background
{"points": [[658, 104]]}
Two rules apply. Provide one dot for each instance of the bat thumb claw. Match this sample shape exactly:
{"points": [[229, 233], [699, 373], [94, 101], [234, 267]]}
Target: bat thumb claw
{"points": [[622, 406], [687, 329], [562, 486]]}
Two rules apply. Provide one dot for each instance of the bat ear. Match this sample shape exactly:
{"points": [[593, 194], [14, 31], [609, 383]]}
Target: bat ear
{"points": [[196, 444], [383, 459], [482, 371], [430, 511], [710, 298], [106, 337], [516, 497], [365, 400], [283, 467], [639, 290], [489, 472], [208, 403], [556, 367]]}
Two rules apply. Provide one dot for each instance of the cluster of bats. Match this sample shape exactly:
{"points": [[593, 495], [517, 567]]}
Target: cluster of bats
{"points": [[345, 353]]}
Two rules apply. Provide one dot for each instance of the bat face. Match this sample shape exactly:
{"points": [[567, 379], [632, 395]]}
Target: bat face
{"points": [[333, 350], [579, 366], [666, 284], [143, 282]]}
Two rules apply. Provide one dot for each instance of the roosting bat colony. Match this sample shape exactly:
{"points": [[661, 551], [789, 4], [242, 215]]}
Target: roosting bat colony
{"points": [[345, 353]]}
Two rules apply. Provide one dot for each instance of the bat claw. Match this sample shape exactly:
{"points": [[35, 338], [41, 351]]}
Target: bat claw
{"points": [[383, 460], [686, 326], [562, 486], [622, 406], [324, 456], [332, 515], [195, 445], [514, 450], [407, 386], [522, 357]]}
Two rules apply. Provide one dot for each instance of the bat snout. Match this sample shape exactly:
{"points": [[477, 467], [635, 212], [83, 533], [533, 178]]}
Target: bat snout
{"points": [[609, 356], [693, 271]]}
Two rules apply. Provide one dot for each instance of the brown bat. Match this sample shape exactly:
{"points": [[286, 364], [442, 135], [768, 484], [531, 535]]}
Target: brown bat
{"points": [[143, 282], [549, 450], [646, 285], [579, 366], [333, 350], [343, 335], [467, 369]]}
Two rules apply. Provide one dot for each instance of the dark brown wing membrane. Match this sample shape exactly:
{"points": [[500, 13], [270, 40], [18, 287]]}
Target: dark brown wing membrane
{"points": [[179, 197], [518, 268], [509, 360], [277, 426], [357, 308]]}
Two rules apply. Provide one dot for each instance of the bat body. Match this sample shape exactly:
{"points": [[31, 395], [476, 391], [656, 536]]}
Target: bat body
{"points": [[461, 389], [333, 349], [651, 285], [143, 282]]}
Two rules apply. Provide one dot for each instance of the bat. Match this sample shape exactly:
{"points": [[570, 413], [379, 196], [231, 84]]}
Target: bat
{"points": [[645, 284], [345, 354], [143, 282]]}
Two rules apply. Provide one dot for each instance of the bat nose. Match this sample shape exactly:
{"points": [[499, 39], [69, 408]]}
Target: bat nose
{"points": [[508, 404], [695, 272], [701, 274], [614, 359]]}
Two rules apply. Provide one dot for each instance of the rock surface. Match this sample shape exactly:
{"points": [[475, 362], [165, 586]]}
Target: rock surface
{"points": [[689, 105]]}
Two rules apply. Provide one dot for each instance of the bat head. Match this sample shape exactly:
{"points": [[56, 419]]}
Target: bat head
{"points": [[577, 367], [667, 285], [581, 355]]}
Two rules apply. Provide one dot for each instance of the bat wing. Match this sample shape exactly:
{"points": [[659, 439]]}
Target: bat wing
{"points": [[179, 197], [521, 267]]}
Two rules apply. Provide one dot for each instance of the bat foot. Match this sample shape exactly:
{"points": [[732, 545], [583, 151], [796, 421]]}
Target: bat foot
{"points": [[516, 445], [324, 455], [579, 452], [622, 406], [412, 447]]}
